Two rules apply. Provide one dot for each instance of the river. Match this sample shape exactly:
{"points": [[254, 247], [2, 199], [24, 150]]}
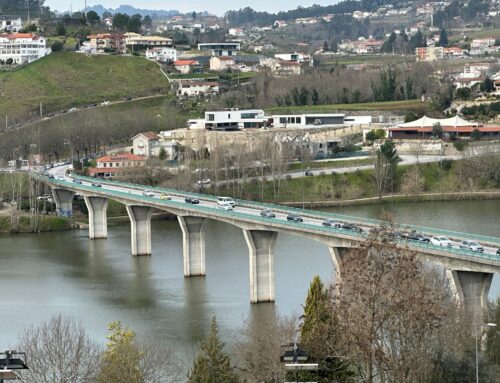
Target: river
{"points": [[99, 281]]}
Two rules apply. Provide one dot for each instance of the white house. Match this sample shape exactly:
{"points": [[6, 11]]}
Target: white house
{"points": [[161, 54], [234, 119], [306, 120], [22, 48], [220, 49], [10, 24], [145, 143], [197, 88]]}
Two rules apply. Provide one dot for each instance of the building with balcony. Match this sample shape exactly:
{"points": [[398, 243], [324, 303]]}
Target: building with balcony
{"points": [[107, 43], [221, 49], [234, 119], [10, 24], [22, 48]]}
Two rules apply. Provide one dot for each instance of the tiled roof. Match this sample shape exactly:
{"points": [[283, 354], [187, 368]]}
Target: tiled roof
{"points": [[121, 157]]}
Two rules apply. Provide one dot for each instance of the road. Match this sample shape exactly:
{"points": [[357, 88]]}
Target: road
{"points": [[207, 201]]}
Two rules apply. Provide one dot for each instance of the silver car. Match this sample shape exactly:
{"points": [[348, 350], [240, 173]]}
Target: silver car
{"points": [[471, 245]]}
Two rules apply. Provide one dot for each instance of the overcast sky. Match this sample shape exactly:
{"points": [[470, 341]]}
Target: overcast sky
{"points": [[217, 6]]}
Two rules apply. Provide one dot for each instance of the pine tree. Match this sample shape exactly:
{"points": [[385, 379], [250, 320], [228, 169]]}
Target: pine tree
{"points": [[315, 310], [212, 364], [443, 38], [315, 97]]}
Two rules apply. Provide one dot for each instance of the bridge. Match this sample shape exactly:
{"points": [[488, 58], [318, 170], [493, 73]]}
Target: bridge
{"points": [[470, 273]]}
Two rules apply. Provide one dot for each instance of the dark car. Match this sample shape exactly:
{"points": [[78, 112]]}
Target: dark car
{"points": [[498, 252], [308, 173], [191, 200], [414, 236], [96, 185], [77, 181], [294, 218], [352, 227], [51, 176], [267, 213], [332, 223]]}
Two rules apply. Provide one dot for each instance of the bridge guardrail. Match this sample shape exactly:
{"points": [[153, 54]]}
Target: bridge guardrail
{"points": [[258, 218], [494, 241]]}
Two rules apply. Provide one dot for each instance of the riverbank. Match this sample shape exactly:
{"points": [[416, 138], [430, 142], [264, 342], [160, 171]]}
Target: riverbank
{"points": [[38, 224], [400, 198]]}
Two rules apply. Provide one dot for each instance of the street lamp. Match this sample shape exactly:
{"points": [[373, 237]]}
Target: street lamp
{"points": [[478, 326]]}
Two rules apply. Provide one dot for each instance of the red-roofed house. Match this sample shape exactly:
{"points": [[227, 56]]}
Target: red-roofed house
{"points": [[110, 166], [22, 48], [185, 66], [144, 144]]}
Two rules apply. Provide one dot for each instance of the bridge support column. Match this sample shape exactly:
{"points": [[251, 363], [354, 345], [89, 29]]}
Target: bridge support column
{"points": [[471, 288], [64, 202], [338, 255], [261, 255], [193, 245], [140, 227], [98, 222]]}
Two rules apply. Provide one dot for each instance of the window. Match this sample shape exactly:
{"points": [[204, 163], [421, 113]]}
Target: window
{"points": [[211, 117], [282, 120]]}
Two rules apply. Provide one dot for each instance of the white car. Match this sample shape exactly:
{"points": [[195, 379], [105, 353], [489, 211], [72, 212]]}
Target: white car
{"points": [[225, 201], [471, 245], [148, 193], [441, 241], [225, 207]]}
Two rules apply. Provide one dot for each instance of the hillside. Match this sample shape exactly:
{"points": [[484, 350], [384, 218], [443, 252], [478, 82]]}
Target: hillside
{"points": [[64, 80]]}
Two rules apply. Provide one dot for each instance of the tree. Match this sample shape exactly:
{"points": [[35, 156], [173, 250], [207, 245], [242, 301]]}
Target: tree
{"points": [[386, 88], [147, 22], [443, 38], [106, 14], [163, 154], [120, 21], [193, 15], [437, 130], [325, 46], [476, 134], [315, 97], [386, 162], [134, 24], [57, 46], [59, 351], [93, 18], [463, 93], [303, 96], [9, 61], [60, 29], [212, 364], [122, 358], [412, 181], [488, 85]]}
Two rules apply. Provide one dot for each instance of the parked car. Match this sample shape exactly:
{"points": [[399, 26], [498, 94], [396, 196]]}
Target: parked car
{"points": [[77, 181], [294, 217], [352, 226], [471, 245], [205, 181], [268, 213], [96, 185], [191, 200], [225, 201], [44, 197], [165, 197], [148, 193], [308, 173], [332, 223], [441, 241]]}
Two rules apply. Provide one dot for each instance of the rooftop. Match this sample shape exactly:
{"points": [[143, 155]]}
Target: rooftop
{"points": [[121, 157]]}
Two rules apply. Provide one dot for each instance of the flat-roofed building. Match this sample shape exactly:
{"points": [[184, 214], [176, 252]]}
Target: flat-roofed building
{"points": [[10, 23], [221, 49], [306, 120], [235, 119]]}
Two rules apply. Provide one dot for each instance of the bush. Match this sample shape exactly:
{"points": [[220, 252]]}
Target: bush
{"points": [[57, 46], [459, 145]]}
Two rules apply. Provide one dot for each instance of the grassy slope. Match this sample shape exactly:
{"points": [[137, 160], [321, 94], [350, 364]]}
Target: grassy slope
{"points": [[65, 79], [387, 106]]}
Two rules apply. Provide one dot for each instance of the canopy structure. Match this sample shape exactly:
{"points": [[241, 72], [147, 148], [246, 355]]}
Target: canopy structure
{"points": [[428, 122]]}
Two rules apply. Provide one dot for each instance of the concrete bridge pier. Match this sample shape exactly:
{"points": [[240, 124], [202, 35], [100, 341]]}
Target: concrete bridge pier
{"points": [[471, 289], [140, 227], [338, 255], [64, 202], [261, 256], [98, 222], [193, 245]]}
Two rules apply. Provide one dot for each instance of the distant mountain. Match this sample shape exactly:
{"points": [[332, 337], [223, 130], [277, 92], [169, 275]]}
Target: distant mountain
{"points": [[130, 10]]}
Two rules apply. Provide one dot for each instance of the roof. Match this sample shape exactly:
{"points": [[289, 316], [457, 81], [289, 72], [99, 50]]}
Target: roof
{"points": [[148, 135], [185, 62], [224, 58], [121, 157], [444, 122]]}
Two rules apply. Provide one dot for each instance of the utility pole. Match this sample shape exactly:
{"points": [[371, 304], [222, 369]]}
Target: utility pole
{"points": [[28, 5], [6, 123], [41, 110]]}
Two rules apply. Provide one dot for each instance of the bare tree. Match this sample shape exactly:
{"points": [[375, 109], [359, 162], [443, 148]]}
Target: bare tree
{"points": [[59, 351], [412, 182]]}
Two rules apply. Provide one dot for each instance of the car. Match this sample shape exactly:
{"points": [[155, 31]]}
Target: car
{"points": [[165, 197], [471, 245], [308, 173], [225, 207], [77, 181], [294, 217], [414, 236], [44, 197], [148, 193], [72, 109], [105, 103], [225, 201], [96, 185], [205, 181], [191, 200], [498, 252], [60, 178], [441, 241], [127, 98], [267, 213], [332, 223], [352, 227], [51, 176]]}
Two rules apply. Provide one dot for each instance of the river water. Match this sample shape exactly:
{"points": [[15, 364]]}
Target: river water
{"points": [[99, 281]]}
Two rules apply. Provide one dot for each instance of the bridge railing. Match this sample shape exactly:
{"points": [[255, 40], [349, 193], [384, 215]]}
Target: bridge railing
{"points": [[412, 245]]}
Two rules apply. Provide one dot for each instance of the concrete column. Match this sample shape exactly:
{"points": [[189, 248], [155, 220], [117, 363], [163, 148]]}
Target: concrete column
{"points": [[261, 255], [140, 227], [337, 254], [471, 289], [64, 202], [98, 222], [193, 245]]}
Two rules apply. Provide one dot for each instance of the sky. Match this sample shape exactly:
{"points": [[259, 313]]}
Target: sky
{"points": [[217, 7]]}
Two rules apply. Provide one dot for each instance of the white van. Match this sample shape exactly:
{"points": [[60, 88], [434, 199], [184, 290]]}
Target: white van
{"points": [[225, 203]]}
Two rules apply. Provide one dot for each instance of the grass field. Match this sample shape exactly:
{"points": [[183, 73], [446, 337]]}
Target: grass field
{"points": [[65, 79], [401, 106]]}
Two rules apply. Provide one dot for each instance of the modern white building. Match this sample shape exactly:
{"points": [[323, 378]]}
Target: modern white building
{"points": [[10, 24], [306, 120], [234, 119], [22, 48], [220, 49], [197, 88], [162, 54]]}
